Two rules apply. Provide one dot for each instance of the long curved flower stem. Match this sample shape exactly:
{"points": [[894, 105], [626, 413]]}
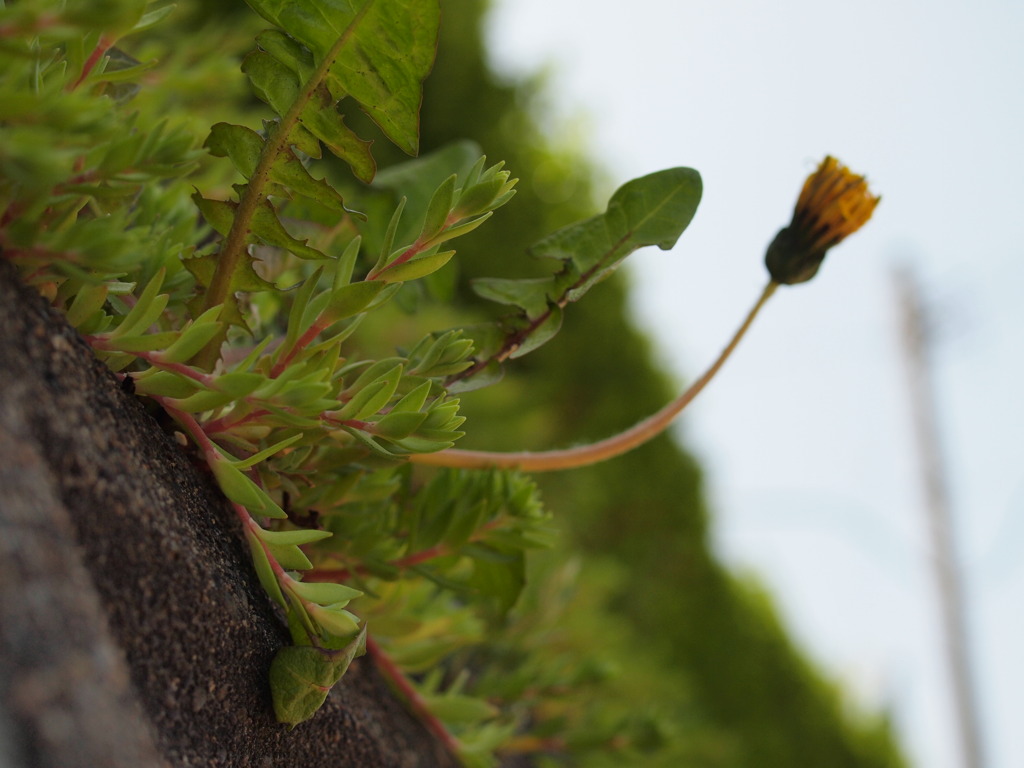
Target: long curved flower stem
{"points": [[585, 455]]}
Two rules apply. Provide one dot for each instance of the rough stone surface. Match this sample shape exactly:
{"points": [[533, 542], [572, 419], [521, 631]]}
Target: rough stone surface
{"points": [[133, 631]]}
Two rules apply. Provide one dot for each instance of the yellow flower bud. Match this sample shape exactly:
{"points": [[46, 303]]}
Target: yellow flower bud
{"points": [[834, 203]]}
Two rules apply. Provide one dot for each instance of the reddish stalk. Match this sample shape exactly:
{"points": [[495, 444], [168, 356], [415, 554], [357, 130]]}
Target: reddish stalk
{"points": [[585, 455], [304, 340], [405, 688], [423, 556], [102, 46], [156, 360]]}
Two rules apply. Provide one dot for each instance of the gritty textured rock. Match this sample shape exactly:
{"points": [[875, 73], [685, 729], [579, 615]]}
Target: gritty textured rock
{"points": [[133, 631]]}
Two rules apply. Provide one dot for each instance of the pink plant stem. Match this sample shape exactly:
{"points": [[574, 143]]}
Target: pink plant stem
{"points": [[414, 249], [224, 423], [102, 46], [155, 359], [423, 556], [408, 691], [211, 454], [585, 455], [303, 341]]}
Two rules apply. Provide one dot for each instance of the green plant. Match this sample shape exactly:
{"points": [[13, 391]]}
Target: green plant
{"points": [[244, 325]]}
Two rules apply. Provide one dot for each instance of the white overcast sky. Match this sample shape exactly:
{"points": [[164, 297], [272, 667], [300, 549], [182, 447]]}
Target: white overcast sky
{"points": [[806, 435]]}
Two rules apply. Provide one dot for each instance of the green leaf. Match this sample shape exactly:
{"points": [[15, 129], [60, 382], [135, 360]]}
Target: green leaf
{"points": [[438, 209], [389, 238], [165, 384], [244, 147], [146, 342], [89, 300], [270, 230], [290, 557], [266, 453], [398, 424], [302, 676], [530, 295], [373, 396], [380, 53], [351, 299], [324, 593], [458, 230], [275, 84], [263, 569], [416, 268], [241, 490], [414, 400], [229, 387], [334, 620], [652, 210], [147, 309], [219, 214], [542, 334], [293, 538], [459, 709], [194, 337], [320, 119]]}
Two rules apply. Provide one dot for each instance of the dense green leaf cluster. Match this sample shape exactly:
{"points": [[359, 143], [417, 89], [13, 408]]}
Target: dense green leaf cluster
{"points": [[299, 315], [239, 313]]}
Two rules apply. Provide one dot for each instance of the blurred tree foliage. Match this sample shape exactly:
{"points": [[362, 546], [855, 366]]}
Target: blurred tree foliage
{"points": [[749, 695]]}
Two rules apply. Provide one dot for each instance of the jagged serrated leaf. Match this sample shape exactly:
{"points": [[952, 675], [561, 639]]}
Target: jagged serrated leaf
{"points": [[266, 225], [219, 214], [380, 53], [275, 84], [327, 125], [288, 51], [242, 145]]}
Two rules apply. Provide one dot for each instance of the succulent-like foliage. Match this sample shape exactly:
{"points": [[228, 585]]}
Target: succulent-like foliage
{"points": [[239, 314]]}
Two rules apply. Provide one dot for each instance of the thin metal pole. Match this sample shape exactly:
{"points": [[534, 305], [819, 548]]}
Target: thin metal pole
{"points": [[937, 506]]}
